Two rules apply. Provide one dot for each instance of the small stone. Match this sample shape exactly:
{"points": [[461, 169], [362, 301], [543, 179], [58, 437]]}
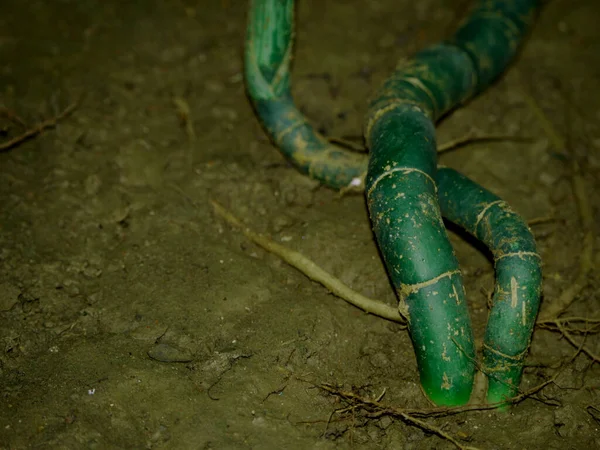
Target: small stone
{"points": [[385, 422], [566, 421], [379, 360], [169, 353], [92, 185], [92, 272], [214, 86], [9, 295], [547, 179], [563, 27], [94, 298], [258, 422], [281, 222]]}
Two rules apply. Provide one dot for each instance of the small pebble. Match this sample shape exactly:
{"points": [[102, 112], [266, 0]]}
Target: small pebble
{"points": [[169, 353]]}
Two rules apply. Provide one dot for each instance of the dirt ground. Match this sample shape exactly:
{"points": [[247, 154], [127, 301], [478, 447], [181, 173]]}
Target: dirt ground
{"points": [[132, 317]]}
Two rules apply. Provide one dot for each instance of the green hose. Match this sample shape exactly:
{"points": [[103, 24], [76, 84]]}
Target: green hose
{"points": [[268, 55], [401, 191], [516, 297], [403, 188]]}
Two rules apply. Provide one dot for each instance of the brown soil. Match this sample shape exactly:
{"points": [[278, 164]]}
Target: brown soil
{"points": [[112, 260]]}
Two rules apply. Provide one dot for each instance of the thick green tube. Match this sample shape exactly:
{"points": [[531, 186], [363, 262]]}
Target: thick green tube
{"points": [[268, 55], [401, 194], [401, 181], [517, 292], [402, 200], [491, 35]]}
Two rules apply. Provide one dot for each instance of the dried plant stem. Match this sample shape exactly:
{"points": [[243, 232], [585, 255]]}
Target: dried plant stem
{"points": [[312, 271], [375, 408], [37, 129]]}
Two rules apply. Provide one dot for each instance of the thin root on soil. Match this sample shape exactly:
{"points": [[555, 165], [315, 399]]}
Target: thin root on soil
{"points": [[184, 114], [37, 129], [375, 408], [311, 270]]}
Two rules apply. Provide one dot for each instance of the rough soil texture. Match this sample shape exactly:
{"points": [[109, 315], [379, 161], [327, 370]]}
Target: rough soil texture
{"points": [[132, 317]]}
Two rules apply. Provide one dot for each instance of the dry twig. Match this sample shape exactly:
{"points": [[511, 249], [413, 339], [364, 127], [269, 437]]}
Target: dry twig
{"points": [[184, 113], [574, 325], [375, 408], [37, 129], [312, 271], [578, 345]]}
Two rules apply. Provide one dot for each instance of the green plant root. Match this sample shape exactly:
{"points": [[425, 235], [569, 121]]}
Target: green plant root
{"points": [[401, 174], [401, 191], [516, 297], [312, 270], [268, 55]]}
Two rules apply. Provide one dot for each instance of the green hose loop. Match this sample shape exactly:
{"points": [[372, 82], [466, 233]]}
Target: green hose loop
{"points": [[406, 218], [516, 297], [407, 195]]}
